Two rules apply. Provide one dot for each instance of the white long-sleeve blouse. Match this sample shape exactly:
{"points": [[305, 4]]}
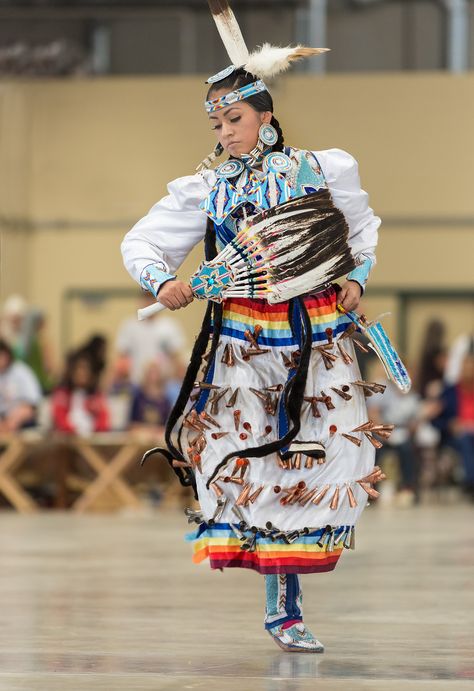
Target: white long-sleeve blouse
{"points": [[175, 224]]}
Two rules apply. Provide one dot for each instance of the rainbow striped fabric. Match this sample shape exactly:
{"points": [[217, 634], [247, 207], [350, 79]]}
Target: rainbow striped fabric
{"points": [[221, 545], [242, 313]]}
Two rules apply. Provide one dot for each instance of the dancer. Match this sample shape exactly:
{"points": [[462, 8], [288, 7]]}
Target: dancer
{"points": [[273, 435]]}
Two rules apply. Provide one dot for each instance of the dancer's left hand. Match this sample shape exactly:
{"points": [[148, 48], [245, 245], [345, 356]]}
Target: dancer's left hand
{"points": [[350, 295]]}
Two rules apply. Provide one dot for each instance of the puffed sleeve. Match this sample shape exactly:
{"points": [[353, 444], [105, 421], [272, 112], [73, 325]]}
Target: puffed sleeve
{"points": [[342, 176], [158, 244]]}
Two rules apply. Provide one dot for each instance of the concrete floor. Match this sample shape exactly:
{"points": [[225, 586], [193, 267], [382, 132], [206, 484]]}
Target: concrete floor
{"points": [[114, 602]]}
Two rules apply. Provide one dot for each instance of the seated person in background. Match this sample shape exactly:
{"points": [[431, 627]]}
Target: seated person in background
{"points": [[150, 404], [78, 405], [20, 392], [456, 419]]}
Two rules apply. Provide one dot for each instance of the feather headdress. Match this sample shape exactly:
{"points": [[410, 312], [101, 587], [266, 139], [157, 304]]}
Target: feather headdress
{"points": [[265, 62]]}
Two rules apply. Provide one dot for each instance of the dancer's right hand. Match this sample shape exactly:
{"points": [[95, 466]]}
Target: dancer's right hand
{"points": [[175, 294]]}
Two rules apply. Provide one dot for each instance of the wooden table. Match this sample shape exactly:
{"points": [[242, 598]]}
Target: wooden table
{"points": [[108, 472]]}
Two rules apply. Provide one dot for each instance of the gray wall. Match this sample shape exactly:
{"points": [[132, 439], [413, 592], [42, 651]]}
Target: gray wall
{"points": [[151, 38]]}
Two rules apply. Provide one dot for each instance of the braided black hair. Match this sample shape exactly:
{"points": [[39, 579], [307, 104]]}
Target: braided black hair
{"points": [[260, 102]]}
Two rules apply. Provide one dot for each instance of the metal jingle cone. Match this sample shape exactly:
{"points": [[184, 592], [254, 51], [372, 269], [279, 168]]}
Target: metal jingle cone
{"points": [[251, 339], [320, 495], [328, 362], [276, 388], [243, 496], [236, 420], [238, 533], [286, 361], [327, 400], [346, 358], [375, 442], [255, 494], [309, 462], [360, 345], [329, 333], [314, 405], [306, 497], [324, 537], [244, 354], [237, 511], [342, 394], [205, 416], [366, 427], [228, 357], [371, 491], [221, 504], [354, 440], [296, 461], [340, 537], [219, 492], [335, 499], [207, 387], [219, 435], [259, 394], [347, 539], [351, 329], [259, 351], [351, 497], [330, 544], [233, 399], [271, 405], [257, 330]]}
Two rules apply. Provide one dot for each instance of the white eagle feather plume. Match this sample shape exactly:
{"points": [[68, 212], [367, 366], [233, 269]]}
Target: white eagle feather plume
{"points": [[268, 61]]}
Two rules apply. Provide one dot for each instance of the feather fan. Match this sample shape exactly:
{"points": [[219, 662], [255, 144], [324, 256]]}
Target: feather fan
{"points": [[291, 249]]}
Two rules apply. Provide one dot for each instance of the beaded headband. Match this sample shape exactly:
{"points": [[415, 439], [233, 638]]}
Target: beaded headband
{"points": [[235, 96]]}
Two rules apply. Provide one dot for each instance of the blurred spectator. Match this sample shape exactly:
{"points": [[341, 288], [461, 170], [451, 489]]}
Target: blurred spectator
{"points": [[456, 419], [20, 393], [150, 405], [59, 58], [176, 369], [24, 329], [78, 405], [95, 349], [120, 382], [143, 341], [403, 411], [432, 359], [463, 345]]}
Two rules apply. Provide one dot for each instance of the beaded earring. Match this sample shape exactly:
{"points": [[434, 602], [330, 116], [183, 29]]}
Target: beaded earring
{"points": [[267, 136]]}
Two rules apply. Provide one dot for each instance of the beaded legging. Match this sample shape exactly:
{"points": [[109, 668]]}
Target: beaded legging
{"points": [[283, 599]]}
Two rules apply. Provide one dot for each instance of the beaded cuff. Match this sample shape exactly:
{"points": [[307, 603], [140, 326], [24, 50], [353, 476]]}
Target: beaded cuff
{"points": [[361, 273], [153, 277]]}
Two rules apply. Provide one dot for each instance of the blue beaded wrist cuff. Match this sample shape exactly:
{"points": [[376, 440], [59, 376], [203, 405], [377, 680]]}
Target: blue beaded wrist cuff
{"points": [[361, 273], [153, 277]]}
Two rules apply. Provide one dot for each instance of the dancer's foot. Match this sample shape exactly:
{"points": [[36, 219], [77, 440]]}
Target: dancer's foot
{"points": [[296, 639]]}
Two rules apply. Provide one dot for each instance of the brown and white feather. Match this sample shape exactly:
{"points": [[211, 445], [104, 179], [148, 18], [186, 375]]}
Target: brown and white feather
{"points": [[268, 61], [229, 31]]}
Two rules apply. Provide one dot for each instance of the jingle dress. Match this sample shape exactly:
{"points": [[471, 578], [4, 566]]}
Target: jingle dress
{"points": [[269, 514]]}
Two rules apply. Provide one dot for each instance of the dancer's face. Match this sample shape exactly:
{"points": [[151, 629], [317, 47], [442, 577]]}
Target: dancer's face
{"points": [[236, 126]]}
